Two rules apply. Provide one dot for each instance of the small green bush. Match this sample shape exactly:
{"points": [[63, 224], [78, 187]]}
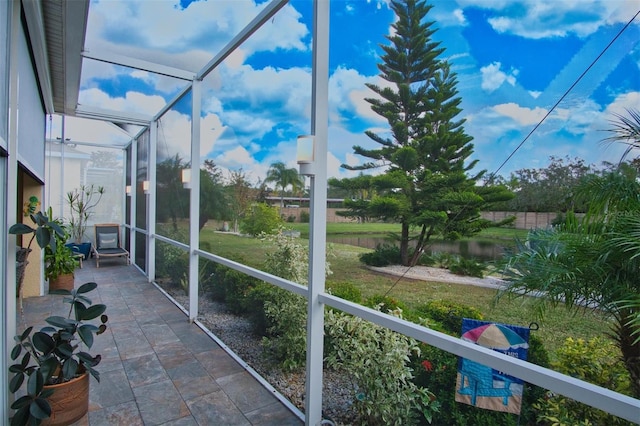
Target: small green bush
{"points": [[596, 361], [304, 216], [286, 337], [449, 314], [384, 303], [442, 259], [383, 255], [375, 358], [345, 290], [467, 267], [262, 218]]}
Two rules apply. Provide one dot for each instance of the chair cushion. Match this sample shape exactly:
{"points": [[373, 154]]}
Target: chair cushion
{"points": [[107, 241]]}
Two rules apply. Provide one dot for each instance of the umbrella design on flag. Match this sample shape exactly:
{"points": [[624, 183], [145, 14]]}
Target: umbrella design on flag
{"points": [[495, 336]]}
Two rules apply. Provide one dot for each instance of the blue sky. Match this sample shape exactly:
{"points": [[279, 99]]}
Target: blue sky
{"points": [[514, 60]]}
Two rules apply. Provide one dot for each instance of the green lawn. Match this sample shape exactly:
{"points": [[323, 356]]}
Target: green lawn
{"points": [[557, 325]]}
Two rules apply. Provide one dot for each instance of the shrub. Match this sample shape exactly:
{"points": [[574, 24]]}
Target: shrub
{"points": [[449, 314], [467, 267], [383, 255], [442, 259], [278, 314], [345, 290], [304, 216], [236, 286], [262, 218], [384, 303], [171, 262], [289, 260], [376, 359], [596, 361], [291, 218], [286, 336]]}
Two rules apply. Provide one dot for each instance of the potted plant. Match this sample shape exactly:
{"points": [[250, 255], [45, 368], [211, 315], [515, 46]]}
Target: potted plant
{"points": [[59, 264], [43, 231], [52, 363], [82, 201]]}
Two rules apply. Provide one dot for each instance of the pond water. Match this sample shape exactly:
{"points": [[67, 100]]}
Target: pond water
{"points": [[481, 250]]}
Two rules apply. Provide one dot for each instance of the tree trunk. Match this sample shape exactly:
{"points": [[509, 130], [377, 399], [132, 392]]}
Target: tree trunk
{"points": [[630, 350], [404, 244]]}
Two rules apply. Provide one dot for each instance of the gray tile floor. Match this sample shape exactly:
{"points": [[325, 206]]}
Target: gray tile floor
{"points": [[157, 368]]}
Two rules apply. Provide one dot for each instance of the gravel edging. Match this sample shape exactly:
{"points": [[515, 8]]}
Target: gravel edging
{"points": [[237, 334]]}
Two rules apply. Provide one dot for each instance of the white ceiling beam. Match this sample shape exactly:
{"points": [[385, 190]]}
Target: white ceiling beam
{"points": [[76, 14], [35, 25], [139, 64], [253, 26], [126, 117]]}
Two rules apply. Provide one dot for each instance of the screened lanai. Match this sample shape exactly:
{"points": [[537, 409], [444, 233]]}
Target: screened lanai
{"points": [[148, 155]]}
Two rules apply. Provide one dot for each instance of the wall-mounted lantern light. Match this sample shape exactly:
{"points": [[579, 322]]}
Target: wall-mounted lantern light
{"points": [[186, 178], [305, 155], [127, 190], [145, 186]]}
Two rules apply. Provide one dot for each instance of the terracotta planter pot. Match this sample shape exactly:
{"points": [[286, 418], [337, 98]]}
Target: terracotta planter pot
{"points": [[64, 282], [69, 402]]}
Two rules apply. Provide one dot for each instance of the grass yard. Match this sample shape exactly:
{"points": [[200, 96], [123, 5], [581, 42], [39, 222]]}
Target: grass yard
{"points": [[556, 325]]}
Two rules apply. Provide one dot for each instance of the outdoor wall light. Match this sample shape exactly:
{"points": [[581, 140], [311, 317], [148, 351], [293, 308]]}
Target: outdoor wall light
{"points": [[305, 155], [145, 186], [186, 178], [127, 190]]}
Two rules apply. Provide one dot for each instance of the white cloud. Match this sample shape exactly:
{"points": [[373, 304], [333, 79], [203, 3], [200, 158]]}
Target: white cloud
{"points": [[236, 158], [132, 101], [493, 77], [459, 15], [546, 19], [524, 116], [188, 38]]}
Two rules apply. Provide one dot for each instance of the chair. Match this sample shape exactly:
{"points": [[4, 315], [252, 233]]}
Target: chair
{"points": [[478, 380], [107, 242]]}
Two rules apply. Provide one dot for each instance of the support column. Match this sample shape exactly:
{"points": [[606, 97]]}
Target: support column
{"points": [[9, 289], [318, 208], [151, 198], [194, 198]]}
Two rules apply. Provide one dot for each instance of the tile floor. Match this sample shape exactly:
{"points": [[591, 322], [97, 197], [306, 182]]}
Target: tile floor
{"points": [[157, 368]]}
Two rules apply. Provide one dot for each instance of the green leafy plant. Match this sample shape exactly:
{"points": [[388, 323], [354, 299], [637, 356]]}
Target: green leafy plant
{"points": [[377, 360], [59, 261], [596, 361], [53, 355], [467, 267], [43, 230], [30, 206], [383, 255], [449, 314], [262, 218], [82, 201], [345, 290]]}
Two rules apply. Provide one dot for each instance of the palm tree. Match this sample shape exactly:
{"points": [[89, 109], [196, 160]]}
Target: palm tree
{"points": [[283, 177], [626, 130], [594, 261]]}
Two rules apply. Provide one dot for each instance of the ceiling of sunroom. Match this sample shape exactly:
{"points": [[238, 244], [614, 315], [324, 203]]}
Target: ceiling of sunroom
{"points": [[573, 65], [144, 52]]}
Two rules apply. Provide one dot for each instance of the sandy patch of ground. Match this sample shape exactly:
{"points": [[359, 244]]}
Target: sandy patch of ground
{"points": [[426, 273]]}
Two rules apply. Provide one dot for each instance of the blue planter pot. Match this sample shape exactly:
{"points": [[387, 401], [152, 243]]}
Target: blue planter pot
{"points": [[84, 248]]}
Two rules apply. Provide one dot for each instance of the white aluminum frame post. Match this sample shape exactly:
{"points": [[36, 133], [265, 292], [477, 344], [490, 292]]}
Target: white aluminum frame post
{"points": [[318, 217]]}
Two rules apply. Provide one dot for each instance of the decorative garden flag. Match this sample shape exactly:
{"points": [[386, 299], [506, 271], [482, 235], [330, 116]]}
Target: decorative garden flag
{"points": [[482, 386]]}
